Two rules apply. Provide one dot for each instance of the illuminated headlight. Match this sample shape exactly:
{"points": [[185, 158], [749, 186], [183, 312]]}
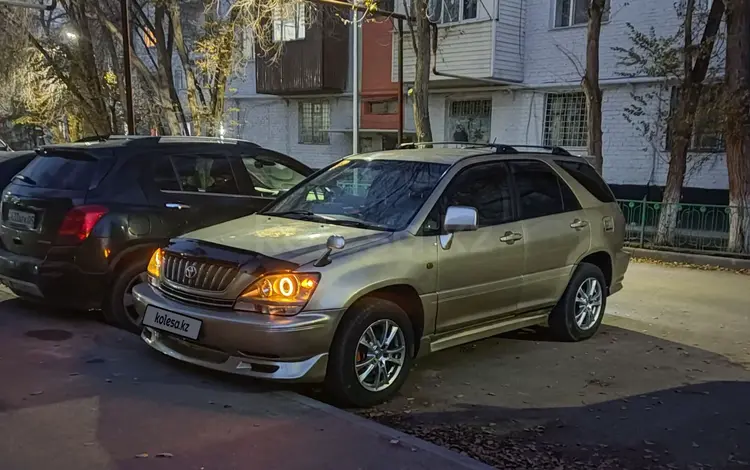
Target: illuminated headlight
{"points": [[278, 294]]}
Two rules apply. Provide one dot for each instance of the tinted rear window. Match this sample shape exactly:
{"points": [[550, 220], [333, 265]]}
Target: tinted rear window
{"points": [[587, 176], [57, 172]]}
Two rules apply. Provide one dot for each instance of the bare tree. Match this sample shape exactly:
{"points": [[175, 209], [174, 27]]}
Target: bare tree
{"points": [[424, 42], [679, 57], [738, 122], [590, 82]]}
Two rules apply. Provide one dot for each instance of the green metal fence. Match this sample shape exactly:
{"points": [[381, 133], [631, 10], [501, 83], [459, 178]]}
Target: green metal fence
{"points": [[700, 227]]}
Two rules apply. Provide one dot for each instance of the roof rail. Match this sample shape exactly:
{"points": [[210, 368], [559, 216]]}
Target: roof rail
{"points": [[498, 148], [148, 139], [555, 150]]}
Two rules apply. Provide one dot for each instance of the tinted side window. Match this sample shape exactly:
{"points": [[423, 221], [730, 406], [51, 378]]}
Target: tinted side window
{"points": [[540, 191], [587, 176], [60, 172], [486, 188], [205, 175], [164, 176]]}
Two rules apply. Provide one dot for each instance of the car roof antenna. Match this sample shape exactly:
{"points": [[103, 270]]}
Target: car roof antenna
{"points": [[335, 242]]}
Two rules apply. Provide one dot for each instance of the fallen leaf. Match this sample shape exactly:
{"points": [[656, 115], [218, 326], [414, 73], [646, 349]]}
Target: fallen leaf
{"points": [[144, 455], [395, 441], [164, 455]]}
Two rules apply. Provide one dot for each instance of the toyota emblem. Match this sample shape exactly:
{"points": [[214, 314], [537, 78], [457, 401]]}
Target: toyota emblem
{"points": [[191, 271]]}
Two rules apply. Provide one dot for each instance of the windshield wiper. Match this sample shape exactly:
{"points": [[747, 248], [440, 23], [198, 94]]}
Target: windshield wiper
{"points": [[361, 224], [303, 214]]}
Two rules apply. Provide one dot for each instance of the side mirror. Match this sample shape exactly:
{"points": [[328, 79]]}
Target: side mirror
{"points": [[460, 219], [334, 242]]}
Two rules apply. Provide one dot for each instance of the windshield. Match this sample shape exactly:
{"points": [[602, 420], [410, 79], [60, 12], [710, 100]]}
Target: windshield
{"points": [[377, 194]]}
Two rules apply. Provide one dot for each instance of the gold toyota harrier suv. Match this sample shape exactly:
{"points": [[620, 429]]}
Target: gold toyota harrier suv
{"points": [[384, 257]]}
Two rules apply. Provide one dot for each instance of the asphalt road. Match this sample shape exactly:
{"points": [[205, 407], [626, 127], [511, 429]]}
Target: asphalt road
{"points": [[663, 385], [77, 394]]}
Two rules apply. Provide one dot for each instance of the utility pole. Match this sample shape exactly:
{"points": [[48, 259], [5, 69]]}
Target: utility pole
{"points": [[400, 134], [355, 81], [127, 50]]}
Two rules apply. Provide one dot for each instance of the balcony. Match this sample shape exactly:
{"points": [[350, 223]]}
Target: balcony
{"points": [[314, 58], [489, 46]]}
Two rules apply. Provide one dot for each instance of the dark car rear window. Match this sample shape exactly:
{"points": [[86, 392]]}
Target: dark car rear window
{"points": [[59, 172], [587, 176]]}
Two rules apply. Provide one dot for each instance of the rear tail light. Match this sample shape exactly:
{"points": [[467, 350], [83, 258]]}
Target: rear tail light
{"points": [[78, 223]]}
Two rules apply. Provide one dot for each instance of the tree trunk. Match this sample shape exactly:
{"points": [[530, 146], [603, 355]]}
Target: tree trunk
{"points": [[682, 122], [738, 123], [164, 77], [591, 86], [421, 39], [193, 93]]}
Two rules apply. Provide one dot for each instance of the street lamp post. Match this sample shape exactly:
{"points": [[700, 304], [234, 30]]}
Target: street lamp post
{"points": [[127, 50]]}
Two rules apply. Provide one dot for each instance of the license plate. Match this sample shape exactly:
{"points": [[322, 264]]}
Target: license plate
{"points": [[172, 322], [24, 219]]}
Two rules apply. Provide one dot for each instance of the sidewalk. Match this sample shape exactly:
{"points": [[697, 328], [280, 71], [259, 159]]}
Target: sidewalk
{"points": [[78, 394]]}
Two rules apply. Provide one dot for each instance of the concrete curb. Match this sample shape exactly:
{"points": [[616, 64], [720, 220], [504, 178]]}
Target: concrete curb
{"points": [[389, 433], [690, 258]]}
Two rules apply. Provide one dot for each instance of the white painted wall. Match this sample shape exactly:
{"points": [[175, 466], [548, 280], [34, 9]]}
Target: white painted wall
{"points": [[273, 123], [518, 118], [556, 55], [463, 49]]}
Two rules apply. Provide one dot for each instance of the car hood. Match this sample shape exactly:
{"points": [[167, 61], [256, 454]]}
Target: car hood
{"points": [[296, 241]]}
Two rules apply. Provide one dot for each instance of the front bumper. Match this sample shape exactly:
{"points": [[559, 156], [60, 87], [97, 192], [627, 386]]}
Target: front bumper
{"points": [[279, 348], [621, 263], [55, 282]]}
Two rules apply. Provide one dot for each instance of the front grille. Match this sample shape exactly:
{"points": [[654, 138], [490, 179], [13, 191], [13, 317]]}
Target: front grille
{"points": [[180, 296], [201, 275]]}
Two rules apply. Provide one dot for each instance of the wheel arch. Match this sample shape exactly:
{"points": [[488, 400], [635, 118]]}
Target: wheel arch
{"points": [[130, 254], [405, 296], [602, 260]]}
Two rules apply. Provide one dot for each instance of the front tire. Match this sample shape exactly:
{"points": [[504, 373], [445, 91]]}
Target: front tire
{"points": [[579, 313], [371, 354], [119, 306]]}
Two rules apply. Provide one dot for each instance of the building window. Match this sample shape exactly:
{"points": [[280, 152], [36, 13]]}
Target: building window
{"points": [[382, 107], [565, 120], [452, 11], [708, 127], [573, 12], [314, 122], [470, 121], [289, 22], [179, 78], [248, 44]]}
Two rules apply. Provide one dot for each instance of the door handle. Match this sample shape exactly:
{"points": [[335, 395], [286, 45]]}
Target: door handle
{"points": [[174, 205], [510, 237], [579, 224]]}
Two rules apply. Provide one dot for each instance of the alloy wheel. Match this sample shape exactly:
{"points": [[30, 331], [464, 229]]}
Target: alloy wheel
{"points": [[380, 355], [588, 303]]}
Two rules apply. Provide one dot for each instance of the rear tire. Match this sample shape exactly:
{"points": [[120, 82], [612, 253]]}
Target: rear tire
{"points": [[119, 307], [579, 313], [387, 329]]}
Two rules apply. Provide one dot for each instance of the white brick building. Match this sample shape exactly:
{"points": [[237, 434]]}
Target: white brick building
{"points": [[520, 63]]}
